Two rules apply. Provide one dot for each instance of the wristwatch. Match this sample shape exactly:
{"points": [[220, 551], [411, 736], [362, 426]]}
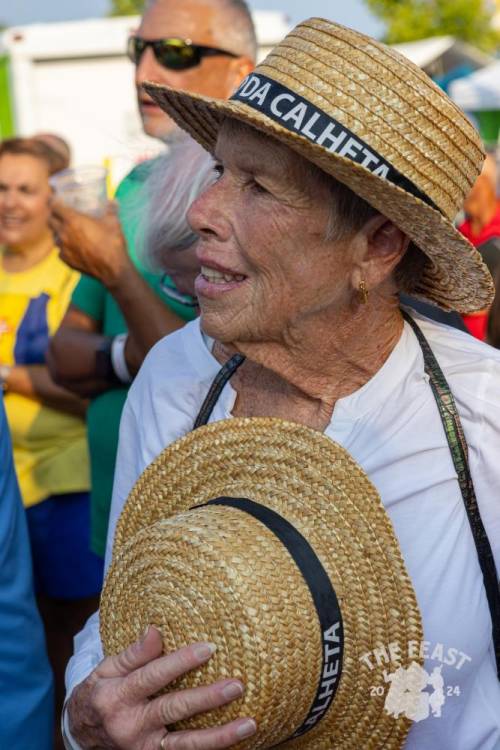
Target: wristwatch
{"points": [[4, 374]]}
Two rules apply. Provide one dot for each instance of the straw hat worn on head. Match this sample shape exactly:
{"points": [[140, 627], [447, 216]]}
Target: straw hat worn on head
{"points": [[376, 122], [266, 538]]}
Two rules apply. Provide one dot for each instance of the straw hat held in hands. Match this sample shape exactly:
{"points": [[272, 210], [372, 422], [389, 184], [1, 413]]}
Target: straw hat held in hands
{"points": [[306, 491]]}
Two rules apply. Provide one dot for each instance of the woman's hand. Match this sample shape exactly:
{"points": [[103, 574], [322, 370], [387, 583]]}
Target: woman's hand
{"points": [[113, 707], [92, 246]]}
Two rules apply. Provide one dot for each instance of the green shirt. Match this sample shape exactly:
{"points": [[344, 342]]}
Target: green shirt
{"points": [[104, 413]]}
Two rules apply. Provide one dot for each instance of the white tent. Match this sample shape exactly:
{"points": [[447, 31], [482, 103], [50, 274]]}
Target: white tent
{"points": [[439, 54], [478, 91], [73, 78]]}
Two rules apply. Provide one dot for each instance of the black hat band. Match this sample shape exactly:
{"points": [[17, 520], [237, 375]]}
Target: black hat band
{"points": [[300, 116]]}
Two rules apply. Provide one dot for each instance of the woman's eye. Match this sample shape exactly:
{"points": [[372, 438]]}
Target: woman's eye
{"points": [[257, 187]]}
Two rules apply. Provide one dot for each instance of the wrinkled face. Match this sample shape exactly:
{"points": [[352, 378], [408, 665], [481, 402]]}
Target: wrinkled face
{"points": [[24, 199], [265, 262], [203, 22]]}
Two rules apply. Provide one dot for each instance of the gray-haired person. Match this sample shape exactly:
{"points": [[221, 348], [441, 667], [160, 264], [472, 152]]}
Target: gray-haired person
{"points": [[341, 168], [175, 181]]}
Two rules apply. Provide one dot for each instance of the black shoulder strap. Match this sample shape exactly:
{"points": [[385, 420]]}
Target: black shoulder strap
{"points": [[458, 446], [459, 452], [224, 374]]}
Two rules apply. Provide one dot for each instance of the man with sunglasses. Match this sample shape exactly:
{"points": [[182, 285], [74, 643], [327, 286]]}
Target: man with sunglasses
{"points": [[119, 310]]}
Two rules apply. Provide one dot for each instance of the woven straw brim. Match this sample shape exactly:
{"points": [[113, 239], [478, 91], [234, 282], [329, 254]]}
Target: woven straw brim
{"points": [[454, 278], [217, 574]]}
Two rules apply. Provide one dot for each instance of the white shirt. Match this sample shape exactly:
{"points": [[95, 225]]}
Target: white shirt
{"points": [[391, 426]]}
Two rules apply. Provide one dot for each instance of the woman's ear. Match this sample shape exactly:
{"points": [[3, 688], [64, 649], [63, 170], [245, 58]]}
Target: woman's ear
{"points": [[381, 249]]}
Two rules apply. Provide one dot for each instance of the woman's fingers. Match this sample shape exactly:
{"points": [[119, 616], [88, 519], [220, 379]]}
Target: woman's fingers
{"points": [[134, 657], [119, 692], [216, 738], [182, 704], [149, 679]]}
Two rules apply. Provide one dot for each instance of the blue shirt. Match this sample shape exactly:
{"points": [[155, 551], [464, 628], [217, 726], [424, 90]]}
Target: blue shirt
{"points": [[26, 700]]}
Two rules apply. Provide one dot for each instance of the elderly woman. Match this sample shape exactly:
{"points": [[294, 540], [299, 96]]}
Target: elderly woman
{"points": [[340, 168]]}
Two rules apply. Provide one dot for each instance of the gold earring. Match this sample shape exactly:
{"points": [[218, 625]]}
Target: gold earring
{"points": [[363, 292]]}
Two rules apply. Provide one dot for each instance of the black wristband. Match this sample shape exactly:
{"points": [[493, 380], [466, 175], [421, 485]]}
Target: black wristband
{"points": [[103, 364]]}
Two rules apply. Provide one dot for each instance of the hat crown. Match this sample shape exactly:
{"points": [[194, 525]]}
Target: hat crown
{"points": [[386, 102], [191, 559]]}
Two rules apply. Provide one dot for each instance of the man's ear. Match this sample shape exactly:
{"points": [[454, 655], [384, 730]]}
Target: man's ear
{"points": [[381, 247]]}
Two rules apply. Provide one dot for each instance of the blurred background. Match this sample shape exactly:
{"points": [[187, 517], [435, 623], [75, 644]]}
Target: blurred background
{"points": [[63, 66]]}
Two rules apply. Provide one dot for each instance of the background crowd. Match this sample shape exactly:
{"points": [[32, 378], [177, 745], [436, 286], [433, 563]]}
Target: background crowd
{"points": [[82, 300]]}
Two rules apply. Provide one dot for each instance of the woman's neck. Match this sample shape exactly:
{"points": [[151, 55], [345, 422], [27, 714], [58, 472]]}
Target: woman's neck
{"points": [[17, 258], [324, 360]]}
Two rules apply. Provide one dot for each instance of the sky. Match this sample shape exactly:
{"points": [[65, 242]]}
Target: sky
{"points": [[351, 13]]}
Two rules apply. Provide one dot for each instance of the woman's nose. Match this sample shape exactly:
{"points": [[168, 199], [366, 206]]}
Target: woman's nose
{"points": [[206, 215]]}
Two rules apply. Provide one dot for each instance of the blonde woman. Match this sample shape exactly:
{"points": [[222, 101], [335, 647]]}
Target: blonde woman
{"points": [[46, 422]]}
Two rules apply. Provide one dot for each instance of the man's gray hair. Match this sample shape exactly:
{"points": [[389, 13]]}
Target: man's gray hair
{"points": [[176, 179]]}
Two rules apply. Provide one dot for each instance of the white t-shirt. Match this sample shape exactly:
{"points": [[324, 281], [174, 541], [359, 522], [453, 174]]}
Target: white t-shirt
{"points": [[391, 426]]}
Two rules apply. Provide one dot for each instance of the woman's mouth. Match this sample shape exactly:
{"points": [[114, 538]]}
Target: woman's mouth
{"points": [[213, 282], [11, 222], [218, 277]]}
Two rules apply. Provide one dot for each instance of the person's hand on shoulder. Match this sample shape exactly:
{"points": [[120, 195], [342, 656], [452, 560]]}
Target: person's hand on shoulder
{"points": [[118, 705]]}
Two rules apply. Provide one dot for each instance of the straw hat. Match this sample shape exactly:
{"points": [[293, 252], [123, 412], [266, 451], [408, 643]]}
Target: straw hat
{"points": [[295, 573], [376, 122]]}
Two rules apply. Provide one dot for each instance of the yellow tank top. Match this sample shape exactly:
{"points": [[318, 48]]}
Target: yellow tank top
{"points": [[50, 447]]}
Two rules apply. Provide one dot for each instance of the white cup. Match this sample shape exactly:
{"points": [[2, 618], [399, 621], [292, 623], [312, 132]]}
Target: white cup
{"points": [[82, 188]]}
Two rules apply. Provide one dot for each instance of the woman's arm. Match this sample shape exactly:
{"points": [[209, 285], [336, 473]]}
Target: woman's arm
{"points": [[34, 381]]}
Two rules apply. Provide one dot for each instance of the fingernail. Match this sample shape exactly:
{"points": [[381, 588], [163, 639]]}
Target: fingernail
{"points": [[204, 651], [232, 690], [247, 728], [145, 634]]}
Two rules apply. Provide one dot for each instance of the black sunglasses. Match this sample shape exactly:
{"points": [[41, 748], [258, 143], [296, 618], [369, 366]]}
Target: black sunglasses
{"points": [[174, 54]]}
